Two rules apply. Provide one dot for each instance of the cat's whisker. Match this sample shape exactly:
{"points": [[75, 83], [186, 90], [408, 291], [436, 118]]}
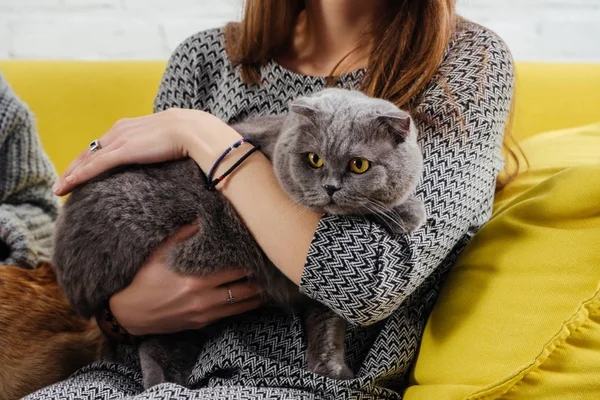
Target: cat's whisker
{"points": [[383, 217], [310, 134], [381, 204], [388, 215], [379, 208], [390, 222], [301, 212], [296, 210]]}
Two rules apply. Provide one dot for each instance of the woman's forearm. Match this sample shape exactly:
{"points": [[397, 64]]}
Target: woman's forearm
{"points": [[283, 229]]}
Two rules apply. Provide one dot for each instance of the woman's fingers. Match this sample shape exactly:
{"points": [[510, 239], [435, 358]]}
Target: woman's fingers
{"points": [[181, 235], [63, 186], [148, 139], [121, 127], [239, 292], [80, 158], [105, 141], [228, 310], [216, 297], [225, 277], [90, 167], [215, 285]]}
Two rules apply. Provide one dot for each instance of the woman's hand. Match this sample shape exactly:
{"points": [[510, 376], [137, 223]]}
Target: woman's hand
{"points": [[154, 138], [160, 301]]}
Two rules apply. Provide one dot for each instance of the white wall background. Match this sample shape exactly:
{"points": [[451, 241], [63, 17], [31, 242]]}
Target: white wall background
{"points": [[545, 30]]}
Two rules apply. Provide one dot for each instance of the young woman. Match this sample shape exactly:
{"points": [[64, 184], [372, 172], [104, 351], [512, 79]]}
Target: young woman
{"points": [[27, 205], [454, 76]]}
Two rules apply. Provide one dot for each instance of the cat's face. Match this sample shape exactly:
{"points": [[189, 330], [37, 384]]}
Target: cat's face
{"points": [[341, 152]]}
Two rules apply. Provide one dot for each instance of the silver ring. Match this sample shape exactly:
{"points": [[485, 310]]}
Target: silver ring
{"points": [[94, 146], [231, 299]]}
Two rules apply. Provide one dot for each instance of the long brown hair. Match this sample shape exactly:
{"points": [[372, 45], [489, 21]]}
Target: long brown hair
{"points": [[408, 47]]}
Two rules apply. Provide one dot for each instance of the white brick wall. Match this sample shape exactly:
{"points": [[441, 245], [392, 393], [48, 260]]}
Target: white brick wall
{"points": [[560, 30]]}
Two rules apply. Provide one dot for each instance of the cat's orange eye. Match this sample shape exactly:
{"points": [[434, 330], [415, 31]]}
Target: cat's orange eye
{"points": [[314, 160], [359, 165]]}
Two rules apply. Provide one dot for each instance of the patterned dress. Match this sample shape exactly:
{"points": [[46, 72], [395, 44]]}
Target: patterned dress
{"points": [[384, 285]]}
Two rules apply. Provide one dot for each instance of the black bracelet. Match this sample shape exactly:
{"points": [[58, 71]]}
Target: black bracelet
{"points": [[116, 332], [209, 176], [212, 185]]}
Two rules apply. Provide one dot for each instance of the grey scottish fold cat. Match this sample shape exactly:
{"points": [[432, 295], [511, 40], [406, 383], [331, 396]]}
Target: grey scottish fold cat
{"points": [[336, 152]]}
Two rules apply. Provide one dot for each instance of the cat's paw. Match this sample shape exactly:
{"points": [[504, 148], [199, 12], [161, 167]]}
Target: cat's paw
{"points": [[404, 218], [414, 215], [332, 369], [411, 215], [152, 376]]}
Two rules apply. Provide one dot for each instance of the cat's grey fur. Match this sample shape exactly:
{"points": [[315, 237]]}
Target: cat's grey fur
{"points": [[111, 224]]}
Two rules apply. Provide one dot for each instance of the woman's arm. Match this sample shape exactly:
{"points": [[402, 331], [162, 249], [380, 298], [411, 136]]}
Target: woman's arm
{"points": [[352, 265], [282, 229], [27, 205], [159, 300], [288, 250]]}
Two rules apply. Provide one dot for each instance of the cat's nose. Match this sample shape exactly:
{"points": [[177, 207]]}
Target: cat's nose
{"points": [[330, 189]]}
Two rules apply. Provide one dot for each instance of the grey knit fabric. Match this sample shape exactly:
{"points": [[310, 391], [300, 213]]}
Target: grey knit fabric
{"points": [[27, 205], [383, 284]]}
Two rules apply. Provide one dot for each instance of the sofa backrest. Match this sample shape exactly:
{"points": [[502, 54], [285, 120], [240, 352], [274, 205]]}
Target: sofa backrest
{"points": [[77, 101]]}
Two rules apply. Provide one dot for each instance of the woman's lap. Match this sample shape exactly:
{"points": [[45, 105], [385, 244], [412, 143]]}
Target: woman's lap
{"points": [[101, 380], [107, 381]]}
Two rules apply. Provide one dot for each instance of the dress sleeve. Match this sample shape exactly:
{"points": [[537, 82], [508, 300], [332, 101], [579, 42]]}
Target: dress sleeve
{"points": [[362, 272], [27, 205]]}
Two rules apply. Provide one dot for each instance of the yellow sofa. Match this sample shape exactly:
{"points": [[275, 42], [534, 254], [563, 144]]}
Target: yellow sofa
{"points": [[519, 317], [76, 102]]}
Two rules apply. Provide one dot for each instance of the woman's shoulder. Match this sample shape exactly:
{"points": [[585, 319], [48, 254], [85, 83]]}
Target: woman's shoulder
{"points": [[203, 52], [192, 69], [201, 46], [473, 40], [475, 57]]}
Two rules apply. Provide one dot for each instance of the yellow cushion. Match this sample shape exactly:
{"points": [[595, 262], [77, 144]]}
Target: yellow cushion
{"points": [[518, 317], [571, 371], [550, 153], [550, 96]]}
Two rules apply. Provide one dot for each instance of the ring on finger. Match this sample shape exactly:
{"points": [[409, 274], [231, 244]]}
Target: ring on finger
{"points": [[95, 146], [231, 299]]}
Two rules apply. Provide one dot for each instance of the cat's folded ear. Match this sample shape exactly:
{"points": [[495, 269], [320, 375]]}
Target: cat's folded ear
{"points": [[399, 125], [302, 106]]}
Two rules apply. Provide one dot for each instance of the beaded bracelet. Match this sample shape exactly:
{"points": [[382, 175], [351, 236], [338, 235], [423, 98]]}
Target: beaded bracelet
{"points": [[116, 331], [212, 183], [216, 164]]}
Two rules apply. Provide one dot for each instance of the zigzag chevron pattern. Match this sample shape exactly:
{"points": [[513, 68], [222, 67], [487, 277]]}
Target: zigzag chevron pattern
{"points": [[384, 285]]}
